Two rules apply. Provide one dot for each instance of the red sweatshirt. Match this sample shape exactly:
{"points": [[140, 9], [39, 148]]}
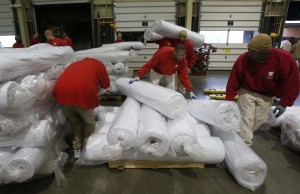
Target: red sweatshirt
{"points": [[68, 41], [34, 41], [57, 42], [164, 63], [164, 42], [190, 53], [116, 41], [18, 45], [79, 83], [278, 76]]}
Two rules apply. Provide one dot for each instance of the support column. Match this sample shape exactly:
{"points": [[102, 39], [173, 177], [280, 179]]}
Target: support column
{"points": [[22, 20], [189, 14]]}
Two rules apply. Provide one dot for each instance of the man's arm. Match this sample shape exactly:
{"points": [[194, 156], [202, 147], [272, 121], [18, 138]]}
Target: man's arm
{"points": [[184, 77]]}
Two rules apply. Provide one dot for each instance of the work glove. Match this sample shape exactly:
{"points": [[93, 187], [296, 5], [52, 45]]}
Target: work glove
{"points": [[134, 79], [193, 96], [279, 110]]}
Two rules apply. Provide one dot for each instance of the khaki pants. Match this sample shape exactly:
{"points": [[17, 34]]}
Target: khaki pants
{"points": [[254, 110], [156, 77], [82, 123]]}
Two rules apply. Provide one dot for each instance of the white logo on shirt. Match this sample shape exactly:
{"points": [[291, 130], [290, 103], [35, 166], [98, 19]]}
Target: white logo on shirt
{"points": [[270, 75]]}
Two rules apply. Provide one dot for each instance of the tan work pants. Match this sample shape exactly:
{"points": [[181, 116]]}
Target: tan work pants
{"points": [[254, 110], [156, 77], [82, 123]]}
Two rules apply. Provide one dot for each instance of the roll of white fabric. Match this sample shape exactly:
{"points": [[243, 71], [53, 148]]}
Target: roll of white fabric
{"points": [[102, 127], [170, 30], [290, 131], [168, 102], [100, 108], [112, 57], [33, 59], [109, 67], [7, 92], [107, 117], [182, 133], [5, 156], [23, 165], [119, 68], [13, 125], [153, 137], [35, 85], [245, 165], [54, 72], [195, 121], [94, 147], [135, 45], [149, 35], [98, 50], [202, 130], [277, 122], [39, 135], [124, 127], [222, 114]]}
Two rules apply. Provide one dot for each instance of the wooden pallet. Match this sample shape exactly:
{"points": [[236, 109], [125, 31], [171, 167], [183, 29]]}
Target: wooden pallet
{"points": [[122, 164]]}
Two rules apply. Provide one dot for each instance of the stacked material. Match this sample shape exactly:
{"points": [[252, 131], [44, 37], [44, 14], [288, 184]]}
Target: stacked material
{"points": [[277, 122], [161, 29], [26, 104], [115, 57], [290, 131]]}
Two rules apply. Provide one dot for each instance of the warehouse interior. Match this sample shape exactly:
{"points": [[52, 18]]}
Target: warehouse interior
{"points": [[271, 164]]}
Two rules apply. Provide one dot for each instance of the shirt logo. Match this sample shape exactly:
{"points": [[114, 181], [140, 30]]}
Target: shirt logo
{"points": [[176, 66], [270, 75]]}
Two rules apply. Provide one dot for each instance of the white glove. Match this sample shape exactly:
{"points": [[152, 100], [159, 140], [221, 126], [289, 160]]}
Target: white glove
{"points": [[193, 96]]}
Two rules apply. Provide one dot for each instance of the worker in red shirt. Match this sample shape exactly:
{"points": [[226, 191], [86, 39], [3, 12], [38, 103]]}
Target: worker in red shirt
{"points": [[257, 76], [67, 39], [164, 42], [190, 53], [164, 64], [77, 91], [35, 39], [18, 43], [54, 41], [119, 37]]}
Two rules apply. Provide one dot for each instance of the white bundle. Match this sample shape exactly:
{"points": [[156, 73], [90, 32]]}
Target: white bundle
{"points": [[135, 45], [168, 102], [119, 68], [10, 125], [5, 156], [290, 131], [112, 57], [94, 147], [277, 122], [34, 59], [97, 50], [107, 117], [222, 114], [182, 134], [149, 35], [39, 134], [153, 137], [109, 67], [54, 72], [112, 80], [170, 30], [7, 93], [202, 130], [122, 133], [245, 165]]}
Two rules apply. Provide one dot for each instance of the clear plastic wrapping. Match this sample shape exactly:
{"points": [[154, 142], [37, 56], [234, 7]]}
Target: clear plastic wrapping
{"points": [[135, 45], [222, 114], [149, 35], [112, 57], [168, 102], [290, 131]]}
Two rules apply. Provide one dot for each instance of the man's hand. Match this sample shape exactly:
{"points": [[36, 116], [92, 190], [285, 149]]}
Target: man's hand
{"points": [[193, 96], [279, 110], [134, 79]]}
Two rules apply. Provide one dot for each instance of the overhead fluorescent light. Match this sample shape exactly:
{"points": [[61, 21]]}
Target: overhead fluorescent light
{"points": [[293, 22]]}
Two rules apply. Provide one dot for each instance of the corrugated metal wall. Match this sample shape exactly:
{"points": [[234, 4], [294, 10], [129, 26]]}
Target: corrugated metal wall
{"points": [[6, 19], [129, 17], [214, 16]]}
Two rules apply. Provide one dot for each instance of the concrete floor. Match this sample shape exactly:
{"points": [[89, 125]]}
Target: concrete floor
{"points": [[283, 169]]}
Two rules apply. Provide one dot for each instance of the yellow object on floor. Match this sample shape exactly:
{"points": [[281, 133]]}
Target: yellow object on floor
{"points": [[220, 96], [214, 91]]}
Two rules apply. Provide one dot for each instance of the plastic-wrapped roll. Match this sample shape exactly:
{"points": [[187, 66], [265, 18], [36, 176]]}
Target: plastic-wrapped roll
{"points": [[13, 125], [126, 45], [5, 156], [245, 165], [94, 147], [109, 67], [7, 92], [168, 102], [153, 137], [106, 116], [202, 130], [119, 68], [122, 133], [35, 85], [277, 122], [290, 131], [58, 116], [170, 30], [113, 83], [151, 36], [54, 72], [182, 134], [98, 50], [112, 57], [100, 108], [222, 114]]}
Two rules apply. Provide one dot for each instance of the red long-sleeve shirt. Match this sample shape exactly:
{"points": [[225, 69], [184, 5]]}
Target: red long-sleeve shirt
{"points": [[164, 42], [116, 41], [190, 53], [68, 41], [79, 83], [278, 76], [34, 41], [18, 45], [164, 63], [57, 42]]}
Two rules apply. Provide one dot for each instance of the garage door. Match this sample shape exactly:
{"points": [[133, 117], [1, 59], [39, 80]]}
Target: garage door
{"points": [[6, 18], [136, 17], [48, 2], [229, 25]]}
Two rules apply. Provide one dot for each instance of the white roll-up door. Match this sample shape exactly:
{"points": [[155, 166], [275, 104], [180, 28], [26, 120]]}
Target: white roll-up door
{"points": [[6, 19], [228, 25], [49, 2], [137, 16]]}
